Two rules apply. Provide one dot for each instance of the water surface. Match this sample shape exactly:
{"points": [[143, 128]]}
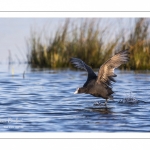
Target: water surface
{"points": [[43, 101]]}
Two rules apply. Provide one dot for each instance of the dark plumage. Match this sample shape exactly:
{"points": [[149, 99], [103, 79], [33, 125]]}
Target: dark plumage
{"points": [[100, 85]]}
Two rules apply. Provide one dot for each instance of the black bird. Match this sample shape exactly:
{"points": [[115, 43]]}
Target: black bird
{"points": [[100, 85]]}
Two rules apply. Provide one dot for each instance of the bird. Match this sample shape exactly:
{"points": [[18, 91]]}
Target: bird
{"points": [[100, 85]]}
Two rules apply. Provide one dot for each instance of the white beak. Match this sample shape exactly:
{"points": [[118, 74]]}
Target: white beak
{"points": [[76, 92]]}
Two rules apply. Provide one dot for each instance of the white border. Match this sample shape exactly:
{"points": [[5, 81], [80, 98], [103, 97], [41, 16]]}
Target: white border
{"points": [[105, 5], [74, 5], [74, 135], [74, 14]]}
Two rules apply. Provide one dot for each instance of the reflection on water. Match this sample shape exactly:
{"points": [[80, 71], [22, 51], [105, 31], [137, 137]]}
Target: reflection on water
{"points": [[43, 101], [102, 110]]}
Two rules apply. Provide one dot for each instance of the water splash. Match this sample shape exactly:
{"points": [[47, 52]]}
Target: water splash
{"points": [[98, 104], [129, 99]]}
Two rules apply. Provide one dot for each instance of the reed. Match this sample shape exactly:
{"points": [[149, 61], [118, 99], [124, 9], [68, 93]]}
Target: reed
{"points": [[139, 44], [87, 41]]}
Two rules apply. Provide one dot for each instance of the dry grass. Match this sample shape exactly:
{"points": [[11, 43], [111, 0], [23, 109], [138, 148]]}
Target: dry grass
{"points": [[86, 41]]}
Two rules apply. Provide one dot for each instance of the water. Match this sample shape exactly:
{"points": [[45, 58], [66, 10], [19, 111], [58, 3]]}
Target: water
{"points": [[43, 101]]}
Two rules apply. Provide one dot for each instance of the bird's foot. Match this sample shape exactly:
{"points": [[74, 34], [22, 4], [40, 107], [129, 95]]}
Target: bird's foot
{"points": [[100, 104], [105, 104], [97, 104]]}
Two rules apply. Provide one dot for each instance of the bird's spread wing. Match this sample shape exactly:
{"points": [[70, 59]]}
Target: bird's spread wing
{"points": [[82, 65], [106, 71]]}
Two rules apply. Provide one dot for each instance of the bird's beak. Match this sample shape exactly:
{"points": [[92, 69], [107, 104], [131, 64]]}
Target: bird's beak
{"points": [[76, 92]]}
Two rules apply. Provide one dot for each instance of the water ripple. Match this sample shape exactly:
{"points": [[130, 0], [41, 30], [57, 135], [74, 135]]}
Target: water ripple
{"points": [[43, 101]]}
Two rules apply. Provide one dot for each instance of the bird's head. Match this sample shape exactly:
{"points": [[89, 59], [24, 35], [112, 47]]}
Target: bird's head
{"points": [[80, 90]]}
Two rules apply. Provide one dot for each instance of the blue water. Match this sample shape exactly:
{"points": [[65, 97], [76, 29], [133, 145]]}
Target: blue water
{"points": [[43, 101]]}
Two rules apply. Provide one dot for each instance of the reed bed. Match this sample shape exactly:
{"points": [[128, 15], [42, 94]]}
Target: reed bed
{"points": [[88, 41]]}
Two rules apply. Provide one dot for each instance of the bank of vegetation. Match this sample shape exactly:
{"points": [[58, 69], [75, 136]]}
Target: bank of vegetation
{"points": [[90, 42]]}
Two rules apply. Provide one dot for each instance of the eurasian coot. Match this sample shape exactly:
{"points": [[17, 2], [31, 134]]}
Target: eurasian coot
{"points": [[100, 85]]}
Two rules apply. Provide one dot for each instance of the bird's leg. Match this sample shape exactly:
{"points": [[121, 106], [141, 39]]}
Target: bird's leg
{"points": [[101, 104], [106, 103]]}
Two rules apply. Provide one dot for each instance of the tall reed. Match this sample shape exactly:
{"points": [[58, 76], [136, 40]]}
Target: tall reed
{"points": [[139, 44], [87, 41]]}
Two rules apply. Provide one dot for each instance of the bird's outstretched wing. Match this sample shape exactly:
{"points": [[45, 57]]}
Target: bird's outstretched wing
{"points": [[106, 71], [82, 65]]}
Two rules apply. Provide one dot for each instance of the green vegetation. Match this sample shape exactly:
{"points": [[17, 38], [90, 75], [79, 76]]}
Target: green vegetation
{"points": [[89, 42]]}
